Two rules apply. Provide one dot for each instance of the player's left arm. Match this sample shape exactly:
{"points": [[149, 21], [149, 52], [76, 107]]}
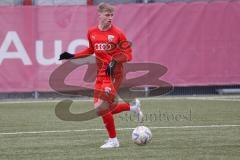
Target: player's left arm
{"points": [[124, 52]]}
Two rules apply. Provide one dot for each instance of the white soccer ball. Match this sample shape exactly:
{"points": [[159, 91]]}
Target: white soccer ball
{"points": [[141, 135]]}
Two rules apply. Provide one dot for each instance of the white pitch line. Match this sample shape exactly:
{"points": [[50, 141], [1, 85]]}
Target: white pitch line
{"points": [[43, 101], [212, 98], [216, 98], [120, 129], [191, 98]]}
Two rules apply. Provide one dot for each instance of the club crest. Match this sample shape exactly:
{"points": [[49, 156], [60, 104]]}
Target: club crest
{"points": [[110, 38]]}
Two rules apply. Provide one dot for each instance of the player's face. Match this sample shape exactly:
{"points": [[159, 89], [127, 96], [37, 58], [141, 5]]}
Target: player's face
{"points": [[105, 18]]}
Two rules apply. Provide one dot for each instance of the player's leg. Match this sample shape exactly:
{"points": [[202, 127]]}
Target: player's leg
{"points": [[108, 121], [135, 107], [103, 99], [112, 141], [120, 107]]}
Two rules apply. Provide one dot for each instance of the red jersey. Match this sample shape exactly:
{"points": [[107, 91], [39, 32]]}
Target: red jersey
{"points": [[107, 45]]}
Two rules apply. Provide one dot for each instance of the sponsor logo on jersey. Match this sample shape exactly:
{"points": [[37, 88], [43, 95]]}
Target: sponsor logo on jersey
{"points": [[103, 46]]}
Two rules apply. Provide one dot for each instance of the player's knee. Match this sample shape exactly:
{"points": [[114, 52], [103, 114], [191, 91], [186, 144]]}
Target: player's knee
{"points": [[102, 107], [101, 104]]}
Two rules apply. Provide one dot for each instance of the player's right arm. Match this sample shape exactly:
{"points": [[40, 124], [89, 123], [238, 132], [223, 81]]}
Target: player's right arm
{"points": [[84, 53]]}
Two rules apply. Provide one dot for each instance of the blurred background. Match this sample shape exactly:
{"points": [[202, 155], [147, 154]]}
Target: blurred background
{"points": [[195, 40], [82, 2]]}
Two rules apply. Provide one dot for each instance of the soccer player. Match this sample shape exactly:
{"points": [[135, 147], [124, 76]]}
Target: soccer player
{"points": [[111, 49]]}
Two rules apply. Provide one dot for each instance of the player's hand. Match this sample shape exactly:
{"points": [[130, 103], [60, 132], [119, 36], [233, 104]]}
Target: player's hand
{"points": [[66, 55], [110, 68]]}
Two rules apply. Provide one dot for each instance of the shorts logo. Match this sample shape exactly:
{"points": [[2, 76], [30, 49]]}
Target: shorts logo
{"points": [[107, 90]]}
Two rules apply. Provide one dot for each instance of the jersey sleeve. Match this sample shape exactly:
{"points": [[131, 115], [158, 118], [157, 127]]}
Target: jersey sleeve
{"points": [[86, 52], [124, 52]]}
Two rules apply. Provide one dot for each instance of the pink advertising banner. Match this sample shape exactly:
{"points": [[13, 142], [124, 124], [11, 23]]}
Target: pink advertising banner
{"points": [[197, 42]]}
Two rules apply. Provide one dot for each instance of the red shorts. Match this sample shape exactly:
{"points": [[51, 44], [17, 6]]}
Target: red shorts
{"points": [[106, 88]]}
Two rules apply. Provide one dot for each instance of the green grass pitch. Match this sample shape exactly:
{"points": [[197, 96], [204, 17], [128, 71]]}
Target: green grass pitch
{"points": [[183, 128]]}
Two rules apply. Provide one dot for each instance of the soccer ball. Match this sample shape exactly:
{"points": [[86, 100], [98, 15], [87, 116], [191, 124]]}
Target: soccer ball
{"points": [[141, 135]]}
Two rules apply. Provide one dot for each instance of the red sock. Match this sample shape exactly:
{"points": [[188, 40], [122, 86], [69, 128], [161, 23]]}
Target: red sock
{"points": [[120, 107], [109, 124]]}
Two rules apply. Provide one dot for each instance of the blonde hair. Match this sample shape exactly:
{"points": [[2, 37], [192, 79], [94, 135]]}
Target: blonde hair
{"points": [[105, 7]]}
